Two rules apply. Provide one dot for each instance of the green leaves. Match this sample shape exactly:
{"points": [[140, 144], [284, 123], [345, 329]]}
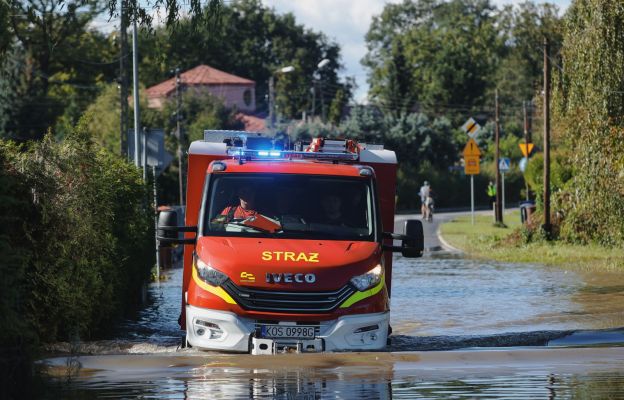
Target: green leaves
{"points": [[253, 41], [589, 105], [448, 57], [85, 233], [432, 54]]}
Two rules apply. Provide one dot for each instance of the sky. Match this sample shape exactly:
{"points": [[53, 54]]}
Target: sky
{"points": [[346, 22]]}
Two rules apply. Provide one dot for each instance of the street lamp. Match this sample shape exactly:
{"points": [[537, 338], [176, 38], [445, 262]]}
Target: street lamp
{"points": [[322, 64], [283, 70]]}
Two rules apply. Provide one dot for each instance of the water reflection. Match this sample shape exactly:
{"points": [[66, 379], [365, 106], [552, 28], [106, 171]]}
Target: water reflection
{"points": [[545, 374], [157, 322], [439, 303]]}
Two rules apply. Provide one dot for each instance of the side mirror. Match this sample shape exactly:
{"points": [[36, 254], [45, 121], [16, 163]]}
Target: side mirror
{"points": [[168, 230], [414, 240]]}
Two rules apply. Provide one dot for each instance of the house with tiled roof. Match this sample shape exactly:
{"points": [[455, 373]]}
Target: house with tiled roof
{"points": [[233, 90]]}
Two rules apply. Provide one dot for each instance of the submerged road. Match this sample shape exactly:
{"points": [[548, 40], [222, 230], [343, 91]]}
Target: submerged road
{"points": [[516, 331], [432, 241]]}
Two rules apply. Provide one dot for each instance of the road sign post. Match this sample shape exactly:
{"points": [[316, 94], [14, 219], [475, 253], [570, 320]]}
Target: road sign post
{"points": [[156, 223], [503, 166], [472, 168], [503, 185], [153, 152], [472, 217]]}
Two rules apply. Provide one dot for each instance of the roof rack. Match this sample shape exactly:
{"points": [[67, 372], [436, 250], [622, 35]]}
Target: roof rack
{"points": [[241, 154], [246, 146]]}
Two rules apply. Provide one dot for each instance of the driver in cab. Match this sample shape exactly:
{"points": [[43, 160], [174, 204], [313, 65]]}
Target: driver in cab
{"points": [[245, 212], [245, 208]]}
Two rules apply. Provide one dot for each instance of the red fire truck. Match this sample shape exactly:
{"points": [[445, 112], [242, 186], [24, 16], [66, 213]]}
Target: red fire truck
{"points": [[288, 250]]}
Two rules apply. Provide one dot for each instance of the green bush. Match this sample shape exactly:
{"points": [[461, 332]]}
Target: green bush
{"points": [[84, 234], [560, 174]]}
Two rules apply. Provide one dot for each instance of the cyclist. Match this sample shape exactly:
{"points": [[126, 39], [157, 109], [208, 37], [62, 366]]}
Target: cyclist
{"points": [[429, 205]]}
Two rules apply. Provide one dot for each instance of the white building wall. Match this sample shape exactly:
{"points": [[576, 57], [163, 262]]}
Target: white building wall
{"points": [[234, 95], [231, 95]]}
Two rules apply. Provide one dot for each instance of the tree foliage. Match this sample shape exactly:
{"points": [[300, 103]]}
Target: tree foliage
{"points": [[253, 41], [432, 54], [520, 73], [588, 111], [448, 57], [59, 60], [81, 226]]}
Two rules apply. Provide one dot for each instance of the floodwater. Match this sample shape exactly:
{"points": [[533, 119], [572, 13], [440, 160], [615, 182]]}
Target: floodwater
{"points": [[461, 328]]}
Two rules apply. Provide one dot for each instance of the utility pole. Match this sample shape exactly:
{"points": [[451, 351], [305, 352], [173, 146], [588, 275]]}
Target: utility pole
{"points": [[319, 67], [547, 226], [155, 193], [526, 143], [313, 98], [123, 78], [272, 113], [271, 104], [322, 100], [180, 136], [498, 214], [144, 153], [135, 77]]}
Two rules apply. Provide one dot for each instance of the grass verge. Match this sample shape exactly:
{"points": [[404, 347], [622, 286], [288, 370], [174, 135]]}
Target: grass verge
{"points": [[484, 240]]}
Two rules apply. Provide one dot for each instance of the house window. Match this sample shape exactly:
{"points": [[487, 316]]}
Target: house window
{"points": [[247, 97]]}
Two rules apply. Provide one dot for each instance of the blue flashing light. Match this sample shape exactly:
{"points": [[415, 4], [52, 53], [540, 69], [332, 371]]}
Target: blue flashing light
{"points": [[275, 153], [263, 153]]}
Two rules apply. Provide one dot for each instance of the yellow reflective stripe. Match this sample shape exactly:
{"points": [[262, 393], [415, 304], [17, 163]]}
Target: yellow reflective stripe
{"points": [[216, 290], [357, 296]]}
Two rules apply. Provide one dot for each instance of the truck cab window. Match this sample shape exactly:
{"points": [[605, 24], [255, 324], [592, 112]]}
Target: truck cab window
{"points": [[313, 207]]}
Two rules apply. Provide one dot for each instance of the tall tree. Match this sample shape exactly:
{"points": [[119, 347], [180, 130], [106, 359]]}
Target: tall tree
{"points": [[60, 61], [451, 49], [519, 76]]}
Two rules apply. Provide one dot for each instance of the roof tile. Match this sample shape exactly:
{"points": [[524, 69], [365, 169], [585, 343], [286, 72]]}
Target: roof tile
{"points": [[200, 75]]}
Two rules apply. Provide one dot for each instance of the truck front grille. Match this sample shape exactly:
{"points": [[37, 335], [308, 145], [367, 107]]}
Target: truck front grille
{"points": [[280, 301]]}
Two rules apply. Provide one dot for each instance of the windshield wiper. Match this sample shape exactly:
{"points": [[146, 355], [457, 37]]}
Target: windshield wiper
{"points": [[308, 231], [242, 223]]}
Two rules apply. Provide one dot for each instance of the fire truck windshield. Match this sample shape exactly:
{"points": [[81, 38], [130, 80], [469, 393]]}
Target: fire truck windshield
{"points": [[296, 206]]}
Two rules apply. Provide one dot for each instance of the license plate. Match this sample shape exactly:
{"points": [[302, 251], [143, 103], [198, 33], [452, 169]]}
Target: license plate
{"points": [[287, 331]]}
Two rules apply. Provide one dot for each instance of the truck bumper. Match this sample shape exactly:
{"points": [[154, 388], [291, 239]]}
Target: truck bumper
{"points": [[219, 330]]}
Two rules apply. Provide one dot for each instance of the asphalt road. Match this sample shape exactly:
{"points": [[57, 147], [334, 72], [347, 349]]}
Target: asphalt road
{"points": [[432, 241]]}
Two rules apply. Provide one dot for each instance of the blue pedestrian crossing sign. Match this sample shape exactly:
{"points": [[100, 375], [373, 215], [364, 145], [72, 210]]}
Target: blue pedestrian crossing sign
{"points": [[504, 164]]}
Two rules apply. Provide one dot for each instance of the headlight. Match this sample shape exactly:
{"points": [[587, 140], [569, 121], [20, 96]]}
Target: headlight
{"points": [[209, 274], [369, 279]]}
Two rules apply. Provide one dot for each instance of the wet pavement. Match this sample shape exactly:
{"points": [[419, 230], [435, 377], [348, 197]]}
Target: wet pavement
{"points": [[462, 328]]}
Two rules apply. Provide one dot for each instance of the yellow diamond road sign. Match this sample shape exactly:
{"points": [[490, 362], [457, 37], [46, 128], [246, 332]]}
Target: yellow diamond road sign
{"points": [[471, 127]]}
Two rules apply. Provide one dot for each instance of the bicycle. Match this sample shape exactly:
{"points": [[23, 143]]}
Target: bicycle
{"points": [[429, 207]]}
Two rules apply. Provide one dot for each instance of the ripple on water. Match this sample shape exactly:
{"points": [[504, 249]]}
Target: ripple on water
{"points": [[462, 296], [505, 373]]}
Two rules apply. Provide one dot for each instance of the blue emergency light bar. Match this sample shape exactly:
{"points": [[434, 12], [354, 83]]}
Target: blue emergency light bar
{"points": [[247, 154]]}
